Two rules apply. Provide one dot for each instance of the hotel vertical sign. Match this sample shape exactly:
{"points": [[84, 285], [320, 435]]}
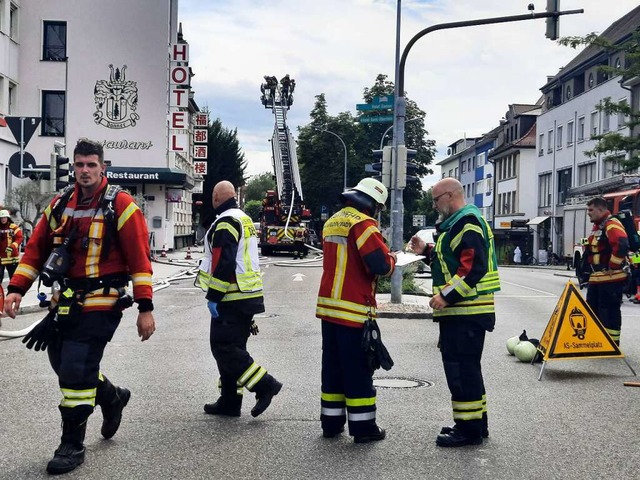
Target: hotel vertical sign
{"points": [[179, 98]]}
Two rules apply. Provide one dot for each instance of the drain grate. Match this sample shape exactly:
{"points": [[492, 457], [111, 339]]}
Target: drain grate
{"points": [[401, 382]]}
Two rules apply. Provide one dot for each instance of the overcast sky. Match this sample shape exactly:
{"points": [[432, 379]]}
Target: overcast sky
{"points": [[464, 79]]}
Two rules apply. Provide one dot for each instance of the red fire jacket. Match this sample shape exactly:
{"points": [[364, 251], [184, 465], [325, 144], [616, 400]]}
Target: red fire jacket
{"points": [[129, 251], [354, 253], [10, 237], [607, 246]]}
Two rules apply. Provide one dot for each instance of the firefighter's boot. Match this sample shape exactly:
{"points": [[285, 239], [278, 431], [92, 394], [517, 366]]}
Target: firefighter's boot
{"points": [[70, 453], [267, 388], [230, 402], [112, 401]]}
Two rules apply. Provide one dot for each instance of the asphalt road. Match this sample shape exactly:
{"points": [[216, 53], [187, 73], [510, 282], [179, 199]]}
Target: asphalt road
{"points": [[579, 422]]}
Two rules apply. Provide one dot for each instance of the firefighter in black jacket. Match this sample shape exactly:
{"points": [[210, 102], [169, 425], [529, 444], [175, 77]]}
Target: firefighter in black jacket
{"points": [[230, 274]]}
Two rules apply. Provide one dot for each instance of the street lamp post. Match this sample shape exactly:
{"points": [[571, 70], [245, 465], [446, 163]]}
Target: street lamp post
{"points": [[345, 152], [389, 129]]}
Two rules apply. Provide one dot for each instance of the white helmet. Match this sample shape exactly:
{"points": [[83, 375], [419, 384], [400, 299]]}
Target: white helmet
{"points": [[5, 214], [374, 189]]}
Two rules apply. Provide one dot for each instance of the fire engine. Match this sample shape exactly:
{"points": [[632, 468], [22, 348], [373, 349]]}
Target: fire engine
{"points": [[283, 211], [577, 225]]}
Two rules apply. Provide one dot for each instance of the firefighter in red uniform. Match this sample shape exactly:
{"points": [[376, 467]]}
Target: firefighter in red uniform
{"points": [[606, 249], [10, 240], [109, 245], [354, 256]]}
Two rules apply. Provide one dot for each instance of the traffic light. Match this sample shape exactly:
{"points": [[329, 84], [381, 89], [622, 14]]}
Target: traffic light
{"points": [[384, 165], [553, 23], [62, 172], [407, 170]]}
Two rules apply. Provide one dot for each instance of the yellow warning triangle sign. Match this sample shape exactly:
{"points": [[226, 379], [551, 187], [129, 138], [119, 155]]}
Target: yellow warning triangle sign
{"points": [[575, 332]]}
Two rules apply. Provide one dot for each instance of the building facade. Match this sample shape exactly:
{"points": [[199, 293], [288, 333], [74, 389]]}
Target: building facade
{"points": [[122, 81]]}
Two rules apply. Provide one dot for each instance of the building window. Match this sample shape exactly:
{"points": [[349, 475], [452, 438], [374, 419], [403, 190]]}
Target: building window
{"points": [[569, 134], [480, 159], [456, 173], [462, 166], [622, 118], [564, 184], [53, 105], [594, 123], [581, 129], [13, 22], [612, 166], [587, 173], [550, 142], [606, 120], [544, 190], [11, 105], [54, 41], [568, 92], [559, 137], [617, 62], [590, 80], [540, 144]]}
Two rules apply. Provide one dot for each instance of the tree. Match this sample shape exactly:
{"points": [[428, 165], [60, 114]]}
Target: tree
{"points": [[321, 155], [27, 200], [258, 185], [614, 144], [253, 208], [225, 161]]}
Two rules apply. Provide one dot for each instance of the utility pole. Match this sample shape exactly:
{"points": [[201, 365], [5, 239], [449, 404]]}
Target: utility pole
{"points": [[400, 107]]}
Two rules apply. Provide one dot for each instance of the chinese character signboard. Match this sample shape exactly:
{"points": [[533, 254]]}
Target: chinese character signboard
{"points": [[200, 168]]}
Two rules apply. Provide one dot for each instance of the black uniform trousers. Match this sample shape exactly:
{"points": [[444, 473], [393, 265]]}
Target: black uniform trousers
{"points": [[604, 299], [75, 356], [228, 339], [461, 345], [347, 382], [11, 268]]}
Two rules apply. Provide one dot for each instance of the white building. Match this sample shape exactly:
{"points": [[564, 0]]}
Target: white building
{"points": [[114, 72], [570, 117]]}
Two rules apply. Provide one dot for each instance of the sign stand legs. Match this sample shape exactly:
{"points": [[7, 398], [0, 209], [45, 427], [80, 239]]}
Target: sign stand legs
{"points": [[630, 367], [544, 364]]}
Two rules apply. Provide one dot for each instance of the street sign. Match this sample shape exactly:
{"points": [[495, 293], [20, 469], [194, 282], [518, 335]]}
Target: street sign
{"points": [[374, 106], [376, 119], [419, 220], [383, 99], [16, 124], [27, 162]]}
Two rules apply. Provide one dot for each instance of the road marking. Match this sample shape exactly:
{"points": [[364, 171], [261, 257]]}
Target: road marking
{"points": [[297, 277], [529, 288]]}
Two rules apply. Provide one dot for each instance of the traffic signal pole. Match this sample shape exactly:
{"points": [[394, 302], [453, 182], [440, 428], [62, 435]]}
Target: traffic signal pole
{"points": [[400, 108]]}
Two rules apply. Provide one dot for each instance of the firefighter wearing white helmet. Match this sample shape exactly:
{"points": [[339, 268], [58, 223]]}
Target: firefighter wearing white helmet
{"points": [[10, 240], [354, 256]]}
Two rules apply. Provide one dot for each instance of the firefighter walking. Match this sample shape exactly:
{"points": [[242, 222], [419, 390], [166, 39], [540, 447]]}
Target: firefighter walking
{"points": [[105, 233], [230, 274], [465, 277], [10, 241], [606, 249], [354, 255]]}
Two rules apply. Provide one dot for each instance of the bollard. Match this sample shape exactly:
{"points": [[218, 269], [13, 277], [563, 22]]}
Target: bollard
{"points": [[188, 257]]}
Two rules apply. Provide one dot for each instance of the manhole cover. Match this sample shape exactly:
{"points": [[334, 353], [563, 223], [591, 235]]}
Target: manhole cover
{"points": [[401, 382]]}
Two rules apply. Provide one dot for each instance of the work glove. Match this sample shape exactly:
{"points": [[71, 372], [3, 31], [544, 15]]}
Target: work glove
{"points": [[43, 333], [213, 309], [376, 353], [254, 328]]}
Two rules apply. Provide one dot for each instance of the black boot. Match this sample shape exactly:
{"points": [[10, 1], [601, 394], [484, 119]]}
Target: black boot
{"points": [[456, 438], [112, 406], [378, 435], [267, 388], [70, 453], [485, 430], [220, 407]]}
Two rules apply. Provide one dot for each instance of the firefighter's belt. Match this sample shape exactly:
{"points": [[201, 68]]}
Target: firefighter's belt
{"points": [[117, 280]]}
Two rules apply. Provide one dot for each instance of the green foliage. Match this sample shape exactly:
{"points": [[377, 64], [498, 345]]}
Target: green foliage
{"points": [[258, 185], [409, 285], [612, 144], [252, 208], [321, 155], [225, 162], [27, 200]]}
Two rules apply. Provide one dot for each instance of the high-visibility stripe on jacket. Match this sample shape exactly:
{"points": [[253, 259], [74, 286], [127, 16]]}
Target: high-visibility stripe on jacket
{"points": [[10, 238], [607, 246], [354, 253], [248, 280], [129, 252], [465, 244]]}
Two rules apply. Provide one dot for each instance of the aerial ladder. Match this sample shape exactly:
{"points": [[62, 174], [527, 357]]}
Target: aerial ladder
{"points": [[283, 211]]}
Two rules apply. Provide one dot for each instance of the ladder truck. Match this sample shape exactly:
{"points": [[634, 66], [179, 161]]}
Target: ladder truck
{"points": [[281, 218]]}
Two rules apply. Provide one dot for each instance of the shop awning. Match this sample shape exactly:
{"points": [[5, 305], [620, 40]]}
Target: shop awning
{"points": [[537, 221]]}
